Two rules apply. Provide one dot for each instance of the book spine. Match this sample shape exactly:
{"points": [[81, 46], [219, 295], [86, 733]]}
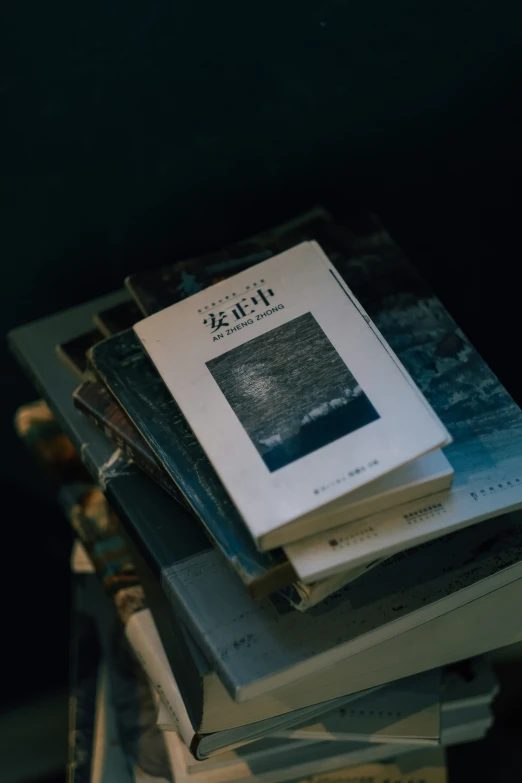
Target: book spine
{"points": [[143, 636]]}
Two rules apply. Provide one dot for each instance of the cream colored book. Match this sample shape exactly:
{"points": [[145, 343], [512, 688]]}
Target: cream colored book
{"points": [[294, 395]]}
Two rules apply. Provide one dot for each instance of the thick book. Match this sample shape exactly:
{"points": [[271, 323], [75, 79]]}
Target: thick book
{"points": [[299, 400], [257, 647]]}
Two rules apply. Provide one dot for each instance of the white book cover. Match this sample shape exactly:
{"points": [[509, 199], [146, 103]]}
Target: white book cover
{"points": [[290, 389], [406, 527]]}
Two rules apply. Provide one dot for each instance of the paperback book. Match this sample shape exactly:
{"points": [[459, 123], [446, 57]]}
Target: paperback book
{"points": [[293, 380], [484, 421]]}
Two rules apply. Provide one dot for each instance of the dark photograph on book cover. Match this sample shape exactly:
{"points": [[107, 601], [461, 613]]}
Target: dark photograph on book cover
{"points": [[291, 391]]}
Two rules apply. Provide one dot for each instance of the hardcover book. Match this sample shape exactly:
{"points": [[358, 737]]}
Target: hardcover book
{"points": [[299, 400]]}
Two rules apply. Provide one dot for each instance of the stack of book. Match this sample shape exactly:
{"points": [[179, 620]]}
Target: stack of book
{"points": [[118, 734], [303, 498]]}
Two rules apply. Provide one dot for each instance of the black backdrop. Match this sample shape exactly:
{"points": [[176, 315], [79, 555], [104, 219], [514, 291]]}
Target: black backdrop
{"points": [[136, 133]]}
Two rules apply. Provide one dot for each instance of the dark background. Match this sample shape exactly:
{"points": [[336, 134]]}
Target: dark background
{"points": [[133, 134]]}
